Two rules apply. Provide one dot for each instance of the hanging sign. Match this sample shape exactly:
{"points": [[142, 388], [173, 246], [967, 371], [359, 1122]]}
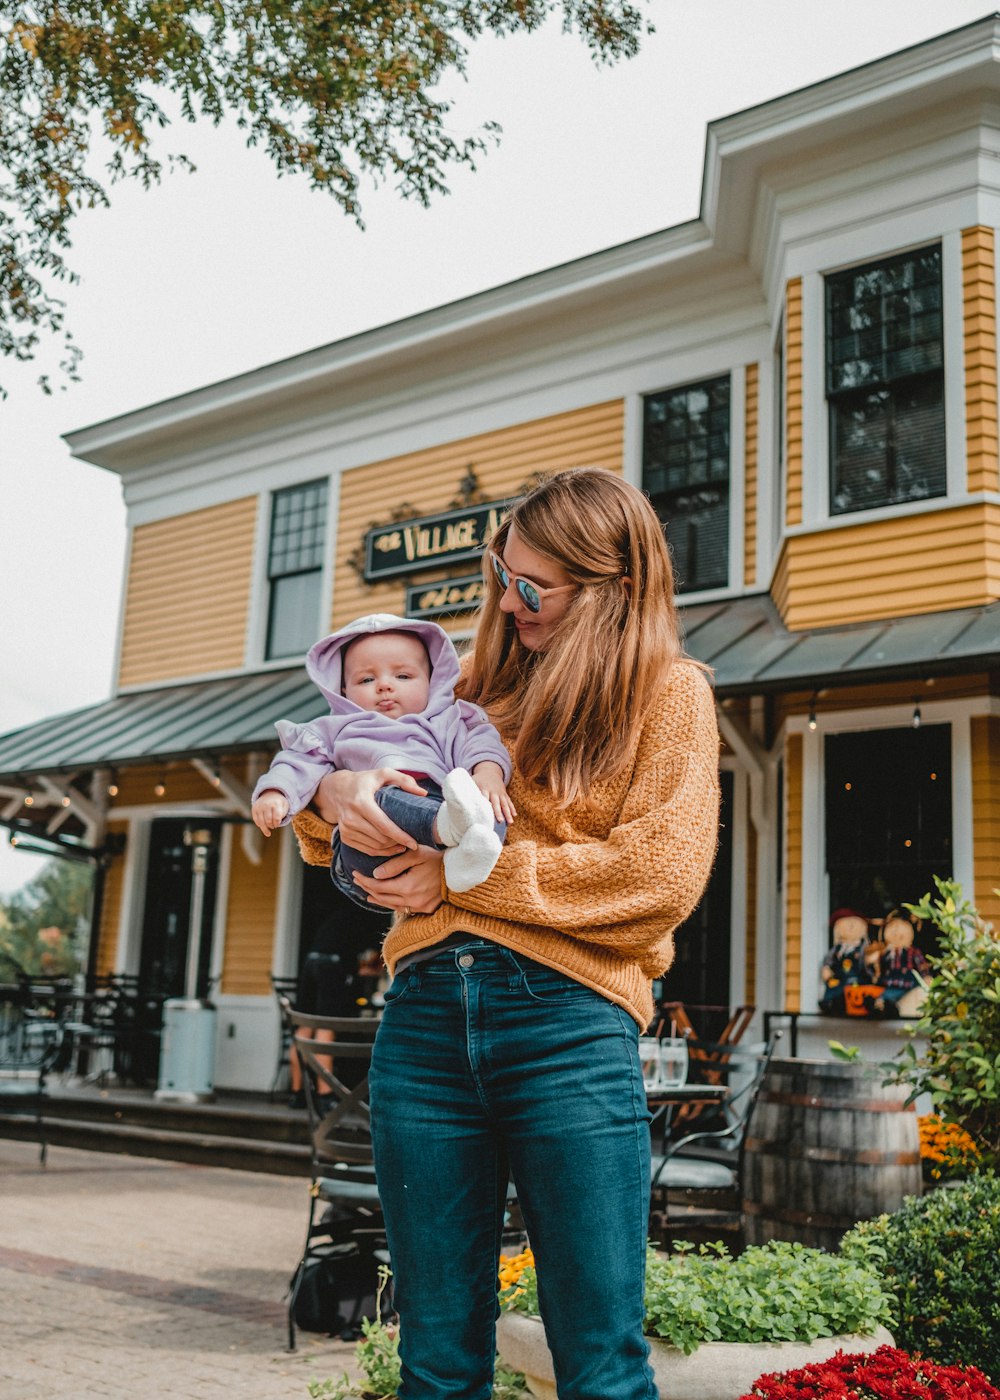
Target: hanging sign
{"points": [[446, 597], [430, 540]]}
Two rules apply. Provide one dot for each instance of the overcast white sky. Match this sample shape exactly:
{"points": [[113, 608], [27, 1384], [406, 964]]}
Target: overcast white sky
{"points": [[231, 268]]}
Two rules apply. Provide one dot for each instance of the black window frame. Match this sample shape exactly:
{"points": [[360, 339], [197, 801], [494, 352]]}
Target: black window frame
{"points": [[296, 549], [895, 377], [679, 496]]}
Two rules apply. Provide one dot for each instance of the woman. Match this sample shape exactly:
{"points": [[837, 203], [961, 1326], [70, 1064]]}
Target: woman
{"points": [[509, 1041]]}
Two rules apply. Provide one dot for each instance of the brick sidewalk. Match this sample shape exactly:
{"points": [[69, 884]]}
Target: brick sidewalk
{"points": [[128, 1279]]}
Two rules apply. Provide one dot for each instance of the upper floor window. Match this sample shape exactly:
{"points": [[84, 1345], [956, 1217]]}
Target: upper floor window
{"points": [[685, 470], [295, 568], [885, 382]]}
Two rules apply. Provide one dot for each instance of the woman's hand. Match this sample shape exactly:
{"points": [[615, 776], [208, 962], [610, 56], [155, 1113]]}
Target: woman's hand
{"points": [[347, 800], [410, 882]]}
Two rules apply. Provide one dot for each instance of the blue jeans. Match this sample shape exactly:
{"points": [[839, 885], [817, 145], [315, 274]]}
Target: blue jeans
{"points": [[487, 1063], [412, 814]]}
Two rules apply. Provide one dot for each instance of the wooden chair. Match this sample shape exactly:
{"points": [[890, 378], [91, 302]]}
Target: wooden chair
{"points": [[674, 1018], [344, 1207]]}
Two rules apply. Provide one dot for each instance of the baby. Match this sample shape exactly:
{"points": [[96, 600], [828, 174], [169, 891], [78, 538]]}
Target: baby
{"points": [[390, 685]]}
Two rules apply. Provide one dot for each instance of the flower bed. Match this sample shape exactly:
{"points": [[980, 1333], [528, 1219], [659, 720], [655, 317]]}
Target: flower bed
{"points": [[886, 1374], [947, 1152]]}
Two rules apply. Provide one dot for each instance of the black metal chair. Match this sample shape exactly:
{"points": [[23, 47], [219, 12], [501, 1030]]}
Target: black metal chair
{"points": [[710, 1159], [344, 1208], [31, 1048], [285, 991]]}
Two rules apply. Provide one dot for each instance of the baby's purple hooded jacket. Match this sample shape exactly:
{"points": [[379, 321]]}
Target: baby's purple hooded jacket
{"points": [[448, 734]]}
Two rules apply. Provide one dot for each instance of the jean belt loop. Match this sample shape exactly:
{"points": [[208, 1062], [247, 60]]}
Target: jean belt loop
{"points": [[413, 978], [515, 972]]}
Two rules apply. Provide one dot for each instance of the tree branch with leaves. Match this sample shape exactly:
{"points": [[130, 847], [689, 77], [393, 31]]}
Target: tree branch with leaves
{"points": [[334, 92]]}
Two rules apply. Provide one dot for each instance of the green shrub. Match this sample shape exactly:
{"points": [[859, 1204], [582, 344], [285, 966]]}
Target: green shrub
{"points": [[775, 1292], [939, 1258], [959, 1066]]}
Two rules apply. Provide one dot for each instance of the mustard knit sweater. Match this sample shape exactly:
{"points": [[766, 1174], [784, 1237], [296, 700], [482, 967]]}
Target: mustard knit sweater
{"points": [[594, 890]]}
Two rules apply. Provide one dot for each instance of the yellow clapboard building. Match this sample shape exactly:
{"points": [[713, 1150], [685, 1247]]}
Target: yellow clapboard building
{"points": [[804, 380]]}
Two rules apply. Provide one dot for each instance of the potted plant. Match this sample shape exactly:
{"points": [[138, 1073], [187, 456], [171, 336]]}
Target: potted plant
{"points": [[886, 1374], [714, 1322]]}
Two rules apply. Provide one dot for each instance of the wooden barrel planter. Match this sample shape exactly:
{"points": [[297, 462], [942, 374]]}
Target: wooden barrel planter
{"points": [[827, 1145]]}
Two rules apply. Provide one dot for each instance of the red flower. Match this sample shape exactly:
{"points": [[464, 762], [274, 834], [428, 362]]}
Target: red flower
{"points": [[886, 1374]]}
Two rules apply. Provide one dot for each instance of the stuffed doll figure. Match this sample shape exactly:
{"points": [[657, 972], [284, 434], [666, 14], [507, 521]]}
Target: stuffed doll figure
{"points": [[901, 966], [844, 965]]}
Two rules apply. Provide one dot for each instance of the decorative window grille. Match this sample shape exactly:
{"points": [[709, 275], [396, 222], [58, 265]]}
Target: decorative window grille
{"points": [[885, 382], [685, 470], [295, 568]]}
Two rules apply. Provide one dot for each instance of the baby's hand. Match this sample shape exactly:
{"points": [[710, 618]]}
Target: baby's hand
{"points": [[269, 810], [488, 778]]}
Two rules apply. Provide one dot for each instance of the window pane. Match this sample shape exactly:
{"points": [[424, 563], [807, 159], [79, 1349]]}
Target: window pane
{"points": [[885, 383], [887, 446], [697, 525], [888, 816], [293, 621], [686, 475], [298, 529]]}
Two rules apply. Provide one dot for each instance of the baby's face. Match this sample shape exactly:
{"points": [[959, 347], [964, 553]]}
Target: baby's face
{"points": [[388, 672]]}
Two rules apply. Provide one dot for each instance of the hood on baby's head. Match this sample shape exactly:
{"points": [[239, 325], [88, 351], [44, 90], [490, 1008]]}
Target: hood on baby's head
{"points": [[325, 661]]}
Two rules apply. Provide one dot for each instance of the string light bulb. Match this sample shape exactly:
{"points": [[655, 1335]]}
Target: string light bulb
{"points": [[916, 714], [67, 801], [812, 711], [113, 784], [161, 787], [216, 778], [29, 801]]}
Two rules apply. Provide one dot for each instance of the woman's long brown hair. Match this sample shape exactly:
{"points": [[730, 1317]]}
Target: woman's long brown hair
{"points": [[576, 709]]}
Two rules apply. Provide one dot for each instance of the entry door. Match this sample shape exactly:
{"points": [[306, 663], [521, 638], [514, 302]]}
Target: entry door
{"points": [[166, 924], [700, 974]]}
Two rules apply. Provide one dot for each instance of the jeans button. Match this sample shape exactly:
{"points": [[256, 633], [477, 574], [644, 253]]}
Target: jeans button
{"points": [[466, 960]]}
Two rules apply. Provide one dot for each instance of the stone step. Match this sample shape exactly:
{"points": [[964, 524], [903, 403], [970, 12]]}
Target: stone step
{"points": [[202, 1148], [246, 1131], [253, 1119]]}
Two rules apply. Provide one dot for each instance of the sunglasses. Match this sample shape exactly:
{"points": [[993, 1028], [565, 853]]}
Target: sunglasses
{"points": [[532, 595]]}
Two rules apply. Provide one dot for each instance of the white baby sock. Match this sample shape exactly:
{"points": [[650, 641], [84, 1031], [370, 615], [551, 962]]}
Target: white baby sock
{"points": [[463, 808], [469, 863]]}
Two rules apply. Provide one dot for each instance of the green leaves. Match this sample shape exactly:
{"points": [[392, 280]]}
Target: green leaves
{"points": [[772, 1293], [335, 93], [959, 1066], [938, 1255]]}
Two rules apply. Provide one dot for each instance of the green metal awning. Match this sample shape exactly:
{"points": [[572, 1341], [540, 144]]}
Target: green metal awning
{"points": [[752, 652]]}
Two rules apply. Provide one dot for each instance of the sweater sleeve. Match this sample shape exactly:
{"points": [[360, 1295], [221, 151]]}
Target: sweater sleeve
{"points": [[314, 836], [650, 871]]}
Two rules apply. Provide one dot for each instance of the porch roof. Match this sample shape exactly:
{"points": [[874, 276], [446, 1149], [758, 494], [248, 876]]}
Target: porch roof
{"points": [[752, 652], [742, 639]]}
